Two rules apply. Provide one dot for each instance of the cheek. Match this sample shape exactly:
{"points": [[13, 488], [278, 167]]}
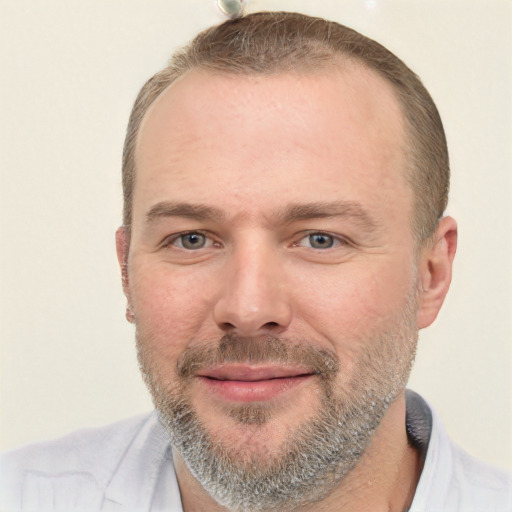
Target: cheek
{"points": [[170, 307], [354, 302]]}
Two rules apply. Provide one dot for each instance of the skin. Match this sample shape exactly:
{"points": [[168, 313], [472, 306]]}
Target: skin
{"points": [[252, 148]]}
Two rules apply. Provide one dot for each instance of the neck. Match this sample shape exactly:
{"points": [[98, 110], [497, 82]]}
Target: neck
{"points": [[384, 480], [386, 476]]}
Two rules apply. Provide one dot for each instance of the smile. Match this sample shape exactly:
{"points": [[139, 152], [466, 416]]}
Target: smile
{"points": [[246, 383]]}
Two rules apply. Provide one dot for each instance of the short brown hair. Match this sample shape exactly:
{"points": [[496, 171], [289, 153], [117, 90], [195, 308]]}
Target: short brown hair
{"points": [[276, 42]]}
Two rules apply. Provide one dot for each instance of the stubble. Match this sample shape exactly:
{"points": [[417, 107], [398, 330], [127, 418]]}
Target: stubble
{"points": [[316, 456]]}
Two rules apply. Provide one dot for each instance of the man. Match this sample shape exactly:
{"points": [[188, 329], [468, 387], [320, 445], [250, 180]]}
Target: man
{"points": [[285, 180]]}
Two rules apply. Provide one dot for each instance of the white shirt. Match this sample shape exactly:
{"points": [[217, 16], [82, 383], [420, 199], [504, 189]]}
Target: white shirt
{"points": [[127, 467]]}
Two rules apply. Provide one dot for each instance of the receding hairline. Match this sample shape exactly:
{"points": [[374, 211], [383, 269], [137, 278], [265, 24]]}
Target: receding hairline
{"points": [[338, 64]]}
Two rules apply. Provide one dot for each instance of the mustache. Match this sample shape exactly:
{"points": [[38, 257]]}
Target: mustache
{"points": [[252, 350]]}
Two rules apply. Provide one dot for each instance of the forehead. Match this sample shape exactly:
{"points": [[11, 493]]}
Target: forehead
{"points": [[351, 93], [292, 134]]}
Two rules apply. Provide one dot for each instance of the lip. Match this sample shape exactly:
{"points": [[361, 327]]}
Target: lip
{"points": [[252, 383]]}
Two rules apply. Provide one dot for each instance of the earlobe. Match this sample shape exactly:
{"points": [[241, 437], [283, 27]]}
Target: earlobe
{"points": [[435, 271]]}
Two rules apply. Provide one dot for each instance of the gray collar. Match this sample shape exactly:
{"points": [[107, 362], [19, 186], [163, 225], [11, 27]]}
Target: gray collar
{"points": [[418, 422]]}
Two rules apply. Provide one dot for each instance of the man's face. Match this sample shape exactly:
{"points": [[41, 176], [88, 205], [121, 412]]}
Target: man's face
{"points": [[271, 267]]}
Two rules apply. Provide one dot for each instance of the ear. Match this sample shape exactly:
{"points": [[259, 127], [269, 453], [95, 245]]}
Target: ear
{"points": [[435, 270], [123, 248]]}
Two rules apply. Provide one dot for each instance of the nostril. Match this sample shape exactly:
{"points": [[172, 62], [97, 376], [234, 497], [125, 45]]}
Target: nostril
{"points": [[269, 326]]}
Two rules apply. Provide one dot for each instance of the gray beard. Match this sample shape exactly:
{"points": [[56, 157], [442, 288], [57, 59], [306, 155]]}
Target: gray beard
{"points": [[317, 455]]}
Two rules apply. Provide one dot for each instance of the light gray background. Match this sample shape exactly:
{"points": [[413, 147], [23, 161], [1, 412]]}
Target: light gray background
{"points": [[69, 74]]}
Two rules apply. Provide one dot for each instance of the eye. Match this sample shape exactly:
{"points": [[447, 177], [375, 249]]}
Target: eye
{"points": [[319, 241], [190, 241]]}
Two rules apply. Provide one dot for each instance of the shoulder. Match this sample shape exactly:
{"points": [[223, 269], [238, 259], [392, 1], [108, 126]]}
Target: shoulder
{"points": [[86, 458], [83, 449], [454, 481], [479, 483]]}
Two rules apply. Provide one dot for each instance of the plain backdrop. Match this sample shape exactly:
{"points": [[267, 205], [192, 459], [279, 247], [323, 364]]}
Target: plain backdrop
{"points": [[69, 74]]}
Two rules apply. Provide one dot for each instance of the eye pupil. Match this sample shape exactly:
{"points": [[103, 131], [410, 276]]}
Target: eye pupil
{"points": [[193, 240], [321, 241]]}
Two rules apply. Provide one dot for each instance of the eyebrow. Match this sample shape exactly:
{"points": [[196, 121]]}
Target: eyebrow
{"points": [[291, 213], [348, 209], [188, 210]]}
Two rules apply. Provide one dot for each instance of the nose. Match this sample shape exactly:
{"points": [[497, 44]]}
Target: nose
{"points": [[254, 298]]}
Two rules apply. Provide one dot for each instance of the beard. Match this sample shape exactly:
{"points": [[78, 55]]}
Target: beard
{"points": [[317, 455]]}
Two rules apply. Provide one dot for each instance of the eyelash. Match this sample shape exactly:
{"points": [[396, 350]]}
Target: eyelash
{"points": [[337, 240], [169, 241]]}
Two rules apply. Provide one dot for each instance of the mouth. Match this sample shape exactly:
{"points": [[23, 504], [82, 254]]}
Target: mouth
{"points": [[252, 383]]}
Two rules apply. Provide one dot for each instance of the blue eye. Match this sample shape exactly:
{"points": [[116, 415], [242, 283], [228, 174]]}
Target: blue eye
{"points": [[191, 241], [321, 241]]}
